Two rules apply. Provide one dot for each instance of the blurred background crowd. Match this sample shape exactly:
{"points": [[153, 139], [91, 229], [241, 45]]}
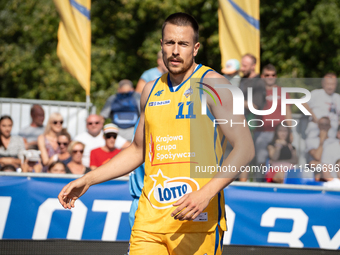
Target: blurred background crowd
{"points": [[297, 40]]}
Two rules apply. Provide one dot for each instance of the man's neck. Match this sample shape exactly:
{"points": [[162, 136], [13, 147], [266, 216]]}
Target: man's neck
{"points": [[94, 135], [179, 78], [35, 125], [107, 149], [270, 87], [252, 75]]}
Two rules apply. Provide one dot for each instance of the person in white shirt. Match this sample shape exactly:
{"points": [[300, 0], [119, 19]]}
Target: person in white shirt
{"points": [[330, 157], [316, 145], [324, 102], [93, 137]]}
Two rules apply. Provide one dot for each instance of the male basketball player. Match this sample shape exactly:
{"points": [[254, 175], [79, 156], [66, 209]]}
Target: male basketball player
{"points": [[179, 212]]}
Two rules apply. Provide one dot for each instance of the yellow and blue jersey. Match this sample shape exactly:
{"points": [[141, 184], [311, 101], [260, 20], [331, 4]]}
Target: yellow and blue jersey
{"points": [[178, 139]]}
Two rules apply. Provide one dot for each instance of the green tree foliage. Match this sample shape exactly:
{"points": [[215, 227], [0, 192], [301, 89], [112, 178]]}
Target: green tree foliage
{"points": [[300, 37], [125, 42]]}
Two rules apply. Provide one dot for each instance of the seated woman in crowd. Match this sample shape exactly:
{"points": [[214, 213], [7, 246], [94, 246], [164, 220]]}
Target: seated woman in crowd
{"points": [[57, 167], [64, 140], [47, 142], [76, 149], [10, 146], [282, 154]]}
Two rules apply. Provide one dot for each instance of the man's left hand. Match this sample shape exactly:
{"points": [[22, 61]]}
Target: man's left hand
{"points": [[190, 206]]}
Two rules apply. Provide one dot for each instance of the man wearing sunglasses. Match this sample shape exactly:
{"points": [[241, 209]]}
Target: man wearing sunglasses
{"points": [[264, 135], [103, 154], [93, 137]]}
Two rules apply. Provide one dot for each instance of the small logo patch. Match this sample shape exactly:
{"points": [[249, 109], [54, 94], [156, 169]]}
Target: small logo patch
{"points": [[188, 92], [158, 103], [158, 93], [202, 217]]}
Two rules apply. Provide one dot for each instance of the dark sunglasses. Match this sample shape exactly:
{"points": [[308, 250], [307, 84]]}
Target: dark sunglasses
{"points": [[108, 136], [56, 122], [76, 151], [92, 123], [65, 144]]}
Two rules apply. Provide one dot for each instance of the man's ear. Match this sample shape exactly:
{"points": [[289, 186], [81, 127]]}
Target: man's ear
{"points": [[196, 47]]}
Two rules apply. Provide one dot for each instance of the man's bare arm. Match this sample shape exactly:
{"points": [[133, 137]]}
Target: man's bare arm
{"points": [[192, 204], [123, 163]]}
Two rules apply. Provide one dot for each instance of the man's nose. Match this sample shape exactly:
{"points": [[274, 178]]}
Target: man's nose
{"points": [[175, 50]]}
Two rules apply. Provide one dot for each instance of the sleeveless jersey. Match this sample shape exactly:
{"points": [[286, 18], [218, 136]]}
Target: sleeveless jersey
{"points": [[180, 144]]}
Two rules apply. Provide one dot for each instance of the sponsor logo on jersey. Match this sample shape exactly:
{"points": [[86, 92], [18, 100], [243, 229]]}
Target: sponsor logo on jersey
{"points": [[158, 93], [159, 103], [167, 191], [188, 92]]}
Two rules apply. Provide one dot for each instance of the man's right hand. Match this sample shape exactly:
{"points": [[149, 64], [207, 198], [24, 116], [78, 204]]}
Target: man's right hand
{"points": [[71, 192], [323, 135]]}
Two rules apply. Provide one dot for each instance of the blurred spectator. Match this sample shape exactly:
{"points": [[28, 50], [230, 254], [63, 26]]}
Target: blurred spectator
{"points": [[36, 128], [93, 137], [231, 72], [152, 74], [30, 161], [103, 154], [10, 146], [47, 142], [282, 154], [330, 156], [316, 145], [63, 141], [57, 167], [251, 79], [123, 108], [76, 149], [8, 168], [264, 135], [324, 102]]}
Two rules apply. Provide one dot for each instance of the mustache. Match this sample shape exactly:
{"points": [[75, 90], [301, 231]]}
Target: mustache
{"points": [[173, 58]]}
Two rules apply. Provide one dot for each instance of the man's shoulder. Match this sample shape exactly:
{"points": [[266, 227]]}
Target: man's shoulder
{"points": [[317, 91], [311, 142], [336, 95], [25, 130], [98, 150], [29, 129]]}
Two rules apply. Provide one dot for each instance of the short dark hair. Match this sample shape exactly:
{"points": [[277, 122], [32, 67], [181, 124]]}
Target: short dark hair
{"points": [[182, 19], [253, 58], [64, 132], [326, 118], [35, 107], [329, 75], [269, 67]]}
